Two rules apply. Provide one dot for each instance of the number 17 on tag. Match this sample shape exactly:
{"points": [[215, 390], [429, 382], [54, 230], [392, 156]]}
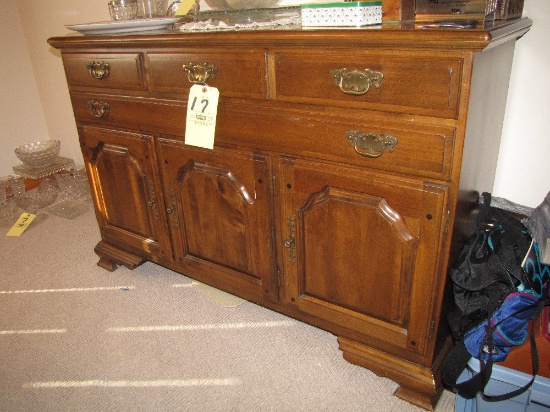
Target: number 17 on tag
{"points": [[202, 109]]}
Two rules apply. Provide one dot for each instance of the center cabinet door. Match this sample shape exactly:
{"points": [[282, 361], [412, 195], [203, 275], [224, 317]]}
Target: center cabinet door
{"points": [[220, 218], [360, 250]]}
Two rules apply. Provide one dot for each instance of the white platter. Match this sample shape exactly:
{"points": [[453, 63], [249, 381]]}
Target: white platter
{"points": [[124, 26]]}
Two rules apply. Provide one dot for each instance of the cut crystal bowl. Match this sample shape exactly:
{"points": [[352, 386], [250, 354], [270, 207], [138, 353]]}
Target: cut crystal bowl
{"points": [[39, 154]]}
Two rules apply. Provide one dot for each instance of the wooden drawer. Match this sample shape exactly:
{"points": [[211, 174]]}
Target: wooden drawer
{"points": [[236, 74], [427, 86], [140, 114], [109, 70], [420, 150]]}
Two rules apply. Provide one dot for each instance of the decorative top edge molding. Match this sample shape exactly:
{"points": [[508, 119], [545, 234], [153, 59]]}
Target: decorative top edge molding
{"points": [[391, 36]]}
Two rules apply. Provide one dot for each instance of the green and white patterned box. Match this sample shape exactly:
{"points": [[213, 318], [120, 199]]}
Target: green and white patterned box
{"points": [[356, 13]]}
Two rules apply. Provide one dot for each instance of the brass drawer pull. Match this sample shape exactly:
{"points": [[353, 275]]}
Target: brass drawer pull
{"points": [[356, 82], [199, 73], [98, 109], [370, 144], [98, 70]]}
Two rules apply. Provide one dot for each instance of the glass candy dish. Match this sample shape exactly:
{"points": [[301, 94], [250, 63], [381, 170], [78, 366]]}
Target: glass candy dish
{"points": [[73, 184], [68, 209], [123, 9], [279, 18], [74, 193], [38, 172], [38, 154], [34, 200], [9, 187]]}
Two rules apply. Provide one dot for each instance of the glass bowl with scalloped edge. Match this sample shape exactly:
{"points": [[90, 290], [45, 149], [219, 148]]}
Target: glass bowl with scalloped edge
{"points": [[39, 154]]}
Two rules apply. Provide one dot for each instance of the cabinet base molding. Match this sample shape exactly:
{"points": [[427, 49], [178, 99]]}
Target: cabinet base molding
{"points": [[417, 384], [110, 257]]}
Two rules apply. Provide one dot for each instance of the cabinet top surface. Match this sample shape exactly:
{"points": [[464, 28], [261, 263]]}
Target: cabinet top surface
{"points": [[384, 36]]}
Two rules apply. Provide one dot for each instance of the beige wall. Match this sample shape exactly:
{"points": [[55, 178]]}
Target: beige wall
{"points": [[21, 115], [40, 106], [41, 19], [523, 175]]}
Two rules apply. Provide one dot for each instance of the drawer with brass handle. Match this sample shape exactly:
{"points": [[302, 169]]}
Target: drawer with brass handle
{"points": [[121, 71], [425, 86], [155, 115], [235, 74], [98, 108], [397, 147]]}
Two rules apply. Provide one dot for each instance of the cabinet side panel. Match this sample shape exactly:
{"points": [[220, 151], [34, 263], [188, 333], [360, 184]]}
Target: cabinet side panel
{"points": [[489, 91]]}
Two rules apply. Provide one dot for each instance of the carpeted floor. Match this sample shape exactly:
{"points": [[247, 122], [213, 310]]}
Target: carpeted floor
{"points": [[74, 337]]}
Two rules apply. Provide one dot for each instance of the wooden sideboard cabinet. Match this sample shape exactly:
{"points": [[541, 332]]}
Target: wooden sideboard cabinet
{"points": [[345, 169]]}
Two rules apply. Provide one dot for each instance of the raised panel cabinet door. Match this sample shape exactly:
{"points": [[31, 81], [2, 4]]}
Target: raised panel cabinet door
{"points": [[362, 251], [220, 218], [127, 199]]}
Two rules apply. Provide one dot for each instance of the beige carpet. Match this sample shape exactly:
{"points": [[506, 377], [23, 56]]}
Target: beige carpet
{"points": [[74, 337]]}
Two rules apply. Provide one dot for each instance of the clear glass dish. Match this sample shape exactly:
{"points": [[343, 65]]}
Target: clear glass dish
{"points": [[10, 186], [241, 4], [36, 199], [123, 9], [37, 154], [246, 19]]}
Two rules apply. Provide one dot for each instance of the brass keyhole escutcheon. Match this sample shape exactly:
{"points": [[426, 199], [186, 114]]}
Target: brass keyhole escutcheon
{"points": [[290, 242]]}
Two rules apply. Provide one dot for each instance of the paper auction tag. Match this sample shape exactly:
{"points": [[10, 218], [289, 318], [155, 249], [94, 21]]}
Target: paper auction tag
{"points": [[184, 7], [202, 109], [22, 223]]}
